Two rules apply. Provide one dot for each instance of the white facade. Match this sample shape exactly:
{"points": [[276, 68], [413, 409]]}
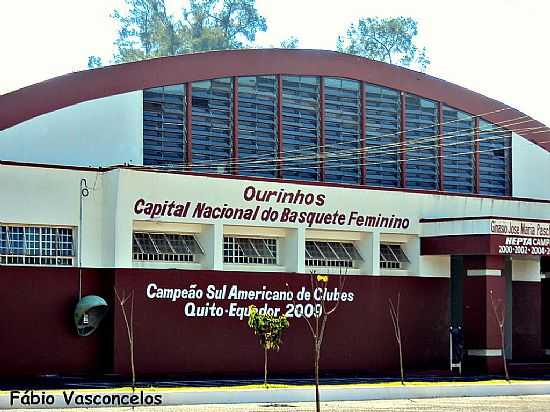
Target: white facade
{"points": [[50, 196], [101, 132], [530, 169]]}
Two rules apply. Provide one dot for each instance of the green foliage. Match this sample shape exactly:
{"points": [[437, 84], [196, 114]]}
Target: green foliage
{"points": [[268, 328], [94, 62], [389, 40], [290, 43], [148, 30]]}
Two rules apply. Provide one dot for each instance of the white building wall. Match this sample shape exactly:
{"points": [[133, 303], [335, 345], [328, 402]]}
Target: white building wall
{"points": [[530, 169], [101, 132], [49, 196]]}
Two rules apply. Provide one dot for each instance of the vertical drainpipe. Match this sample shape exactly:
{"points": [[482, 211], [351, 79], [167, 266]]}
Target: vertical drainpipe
{"points": [[235, 151], [363, 141], [280, 126], [441, 150], [321, 141], [403, 141], [189, 125], [476, 154]]}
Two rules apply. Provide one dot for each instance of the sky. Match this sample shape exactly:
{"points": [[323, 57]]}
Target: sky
{"points": [[499, 48]]}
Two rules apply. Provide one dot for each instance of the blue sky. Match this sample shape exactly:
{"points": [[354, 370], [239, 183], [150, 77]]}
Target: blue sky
{"points": [[499, 48]]}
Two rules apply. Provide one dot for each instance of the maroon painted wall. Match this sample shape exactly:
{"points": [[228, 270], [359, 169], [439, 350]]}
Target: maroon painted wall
{"points": [[545, 313], [38, 336], [37, 333], [480, 325], [526, 321], [359, 336]]}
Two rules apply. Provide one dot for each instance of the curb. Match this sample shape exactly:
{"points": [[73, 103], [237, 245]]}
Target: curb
{"points": [[147, 397]]}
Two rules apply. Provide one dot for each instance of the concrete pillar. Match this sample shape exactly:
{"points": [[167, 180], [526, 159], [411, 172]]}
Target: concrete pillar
{"points": [[211, 239], [482, 341], [293, 248], [369, 249]]}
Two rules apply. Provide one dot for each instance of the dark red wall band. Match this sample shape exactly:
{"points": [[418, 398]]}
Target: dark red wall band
{"points": [[63, 91]]}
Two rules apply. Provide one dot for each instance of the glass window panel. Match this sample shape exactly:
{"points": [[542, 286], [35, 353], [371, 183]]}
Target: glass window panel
{"points": [[342, 134], [247, 247], [261, 247], [193, 246], [422, 143], [326, 250], [32, 241], [145, 242], [399, 254], [16, 237], [494, 159], [312, 251], [212, 125], [162, 244], [352, 251], [382, 128], [386, 255], [164, 126], [258, 139], [458, 149], [300, 118]]}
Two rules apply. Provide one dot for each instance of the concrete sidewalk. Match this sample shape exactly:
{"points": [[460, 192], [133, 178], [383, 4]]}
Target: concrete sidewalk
{"points": [[186, 396]]}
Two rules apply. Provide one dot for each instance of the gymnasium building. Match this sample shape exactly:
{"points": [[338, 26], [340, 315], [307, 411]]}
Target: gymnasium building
{"points": [[200, 184]]}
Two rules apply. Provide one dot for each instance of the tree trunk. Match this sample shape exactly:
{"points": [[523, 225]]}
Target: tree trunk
{"points": [[265, 367], [504, 354], [401, 362], [317, 400]]}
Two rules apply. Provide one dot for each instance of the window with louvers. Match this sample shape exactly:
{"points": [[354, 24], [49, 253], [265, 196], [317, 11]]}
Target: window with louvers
{"points": [[458, 151], [422, 143], [494, 159], [212, 125], [382, 127], [300, 120], [36, 245], [258, 140], [164, 126], [342, 121]]}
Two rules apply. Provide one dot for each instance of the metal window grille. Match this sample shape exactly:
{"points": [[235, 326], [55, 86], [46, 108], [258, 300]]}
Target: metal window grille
{"points": [[331, 254], [392, 257], [301, 127], [258, 125], [36, 245], [165, 247], [212, 120], [458, 161], [342, 121], [164, 126], [382, 127], [422, 143], [494, 159], [249, 250]]}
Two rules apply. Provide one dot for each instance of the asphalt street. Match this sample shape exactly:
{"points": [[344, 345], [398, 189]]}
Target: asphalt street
{"points": [[488, 404]]}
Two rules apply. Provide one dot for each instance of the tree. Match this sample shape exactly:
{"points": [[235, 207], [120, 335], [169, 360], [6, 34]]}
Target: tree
{"points": [[318, 326], [269, 329], [147, 30], [390, 40], [290, 43], [394, 313], [129, 322], [94, 62], [500, 316]]}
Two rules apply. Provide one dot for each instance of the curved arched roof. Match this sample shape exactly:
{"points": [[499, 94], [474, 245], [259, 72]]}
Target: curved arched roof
{"points": [[63, 91]]}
